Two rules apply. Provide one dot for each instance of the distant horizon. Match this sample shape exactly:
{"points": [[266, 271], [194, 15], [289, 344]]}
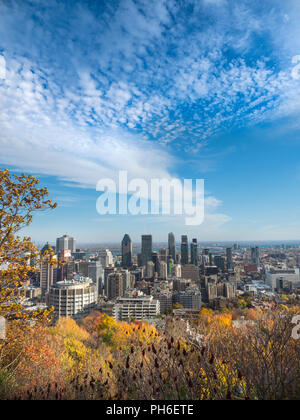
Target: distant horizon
{"points": [[155, 243]]}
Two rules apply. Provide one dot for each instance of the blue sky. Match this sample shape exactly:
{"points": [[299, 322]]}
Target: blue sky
{"points": [[191, 89]]}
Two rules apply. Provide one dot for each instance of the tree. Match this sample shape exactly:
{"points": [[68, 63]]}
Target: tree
{"points": [[20, 198]]}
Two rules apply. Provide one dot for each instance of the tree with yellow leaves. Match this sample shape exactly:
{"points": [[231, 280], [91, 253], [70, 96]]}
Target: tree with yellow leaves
{"points": [[20, 198]]}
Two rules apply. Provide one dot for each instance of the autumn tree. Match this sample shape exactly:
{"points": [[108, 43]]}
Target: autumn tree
{"points": [[20, 198]]}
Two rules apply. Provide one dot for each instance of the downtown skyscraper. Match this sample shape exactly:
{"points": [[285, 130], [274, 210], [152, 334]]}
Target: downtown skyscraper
{"points": [[146, 249], [172, 246], [194, 252], [184, 250], [255, 256], [65, 243], [126, 251], [229, 259]]}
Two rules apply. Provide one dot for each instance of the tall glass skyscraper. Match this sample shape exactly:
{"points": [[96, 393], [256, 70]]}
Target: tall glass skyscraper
{"points": [[194, 252], [146, 249], [172, 246], [126, 251], [184, 250], [229, 258]]}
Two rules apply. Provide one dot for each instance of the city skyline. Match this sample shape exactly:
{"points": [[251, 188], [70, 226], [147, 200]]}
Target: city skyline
{"points": [[128, 246], [208, 90]]}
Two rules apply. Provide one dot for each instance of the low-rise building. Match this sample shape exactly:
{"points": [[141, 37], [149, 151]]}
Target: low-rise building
{"points": [[273, 276], [141, 308], [189, 299]]}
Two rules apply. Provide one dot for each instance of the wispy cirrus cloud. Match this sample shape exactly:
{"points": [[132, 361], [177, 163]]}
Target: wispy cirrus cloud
{"points": [[170, 73]]}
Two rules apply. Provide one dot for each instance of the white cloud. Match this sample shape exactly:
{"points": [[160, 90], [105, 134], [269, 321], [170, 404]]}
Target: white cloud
{"points": [[159, 69]]}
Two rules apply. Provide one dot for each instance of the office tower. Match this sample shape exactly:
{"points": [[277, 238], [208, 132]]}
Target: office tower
{"points": [[64, 243], [115, 285], [194, 252], [106, 258], [73, 299], [150, 270], [96, 273], [229, 258], [146, 249], [139, 259], [184, 250], [255, 255], [172, 246], [155, 260], [126, 252], [205, 251]]}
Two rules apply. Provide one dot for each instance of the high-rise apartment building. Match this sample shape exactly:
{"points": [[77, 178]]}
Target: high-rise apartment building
{"points": [[127, 279], [107, 272], [126, 252], [48, 276], [73, 299], [146, 249], [115, 285]]}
